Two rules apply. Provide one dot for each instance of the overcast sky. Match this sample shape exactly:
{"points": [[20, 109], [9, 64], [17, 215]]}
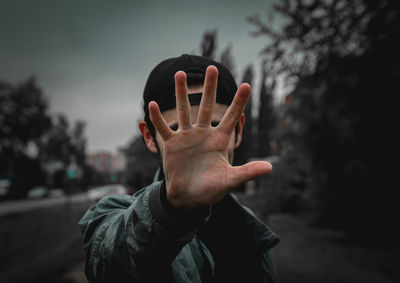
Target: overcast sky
{"points": [[92, 58]]}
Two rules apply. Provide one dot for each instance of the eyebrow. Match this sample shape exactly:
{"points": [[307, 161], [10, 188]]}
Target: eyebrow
{"points": [[174, 126]]}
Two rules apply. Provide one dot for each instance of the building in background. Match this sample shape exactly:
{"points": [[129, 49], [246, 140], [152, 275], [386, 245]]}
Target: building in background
{"points": [[106, 162], [118, 161], [101, 161]]}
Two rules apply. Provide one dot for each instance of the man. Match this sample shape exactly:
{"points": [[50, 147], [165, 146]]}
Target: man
{"points": [[185, 226]]}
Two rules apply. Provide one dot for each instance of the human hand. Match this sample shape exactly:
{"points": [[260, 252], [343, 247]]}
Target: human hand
{"points": [[195, 157]]}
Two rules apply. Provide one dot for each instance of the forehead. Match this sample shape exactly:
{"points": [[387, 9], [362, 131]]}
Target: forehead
{"points": [[171, 116]]}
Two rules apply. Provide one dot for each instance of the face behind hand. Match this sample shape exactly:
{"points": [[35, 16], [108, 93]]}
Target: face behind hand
{"points": [[171, 117]]}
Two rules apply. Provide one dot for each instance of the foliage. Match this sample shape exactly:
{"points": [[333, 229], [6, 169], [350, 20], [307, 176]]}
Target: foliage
{"points": [[63, 144], [208, 44], [312, 31], [55, 144], [23, 116], [208, 48], [78, 143], [23, 120], [26, 124], [346, 72], [266, 119], [247, 149], [226, 59]]}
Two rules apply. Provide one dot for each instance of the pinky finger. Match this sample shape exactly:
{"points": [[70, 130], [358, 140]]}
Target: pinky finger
{"points": [[158, 121]]}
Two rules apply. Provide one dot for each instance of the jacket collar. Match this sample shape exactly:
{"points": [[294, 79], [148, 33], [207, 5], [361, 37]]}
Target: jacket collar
{"points": [[159, 175]]}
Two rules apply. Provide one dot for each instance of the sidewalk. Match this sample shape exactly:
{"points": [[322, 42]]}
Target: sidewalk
{"points": [[309, 254]]}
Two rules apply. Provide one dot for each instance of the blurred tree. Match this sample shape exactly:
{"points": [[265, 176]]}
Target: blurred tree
{"points": [[266, 121], [226, 59], [23, 120], [23, 116], [208, 44], [56, 144], [78, 143], [310, 32], [208, 48], [247, 148], [342, 54], [78, 151], [61, 147]]}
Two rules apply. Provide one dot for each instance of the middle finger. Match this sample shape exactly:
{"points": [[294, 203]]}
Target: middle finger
{"points": [[208, 98]]}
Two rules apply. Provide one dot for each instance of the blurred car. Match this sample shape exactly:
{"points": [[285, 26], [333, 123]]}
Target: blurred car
{"points": [[100, 192], [4, 187], [37, 192], [56, 193]]}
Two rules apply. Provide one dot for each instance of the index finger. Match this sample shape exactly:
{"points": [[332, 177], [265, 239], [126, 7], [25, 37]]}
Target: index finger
{"points": [[158, 121], [235, 110]]}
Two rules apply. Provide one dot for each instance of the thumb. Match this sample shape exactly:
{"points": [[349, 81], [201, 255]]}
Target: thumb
{"points": [[248, 171]]}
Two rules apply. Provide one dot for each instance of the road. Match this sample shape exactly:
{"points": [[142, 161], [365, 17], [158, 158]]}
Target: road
{"points": [[21, 206], [40, 239]]}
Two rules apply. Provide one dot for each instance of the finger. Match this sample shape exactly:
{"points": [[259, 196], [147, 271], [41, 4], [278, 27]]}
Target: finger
{"points": [[207, 103], [235, 110], [158, 121], [182, 100], [249, 171]]}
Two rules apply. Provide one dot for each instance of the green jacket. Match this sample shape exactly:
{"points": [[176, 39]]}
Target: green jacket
{"points": [[138, 239]]}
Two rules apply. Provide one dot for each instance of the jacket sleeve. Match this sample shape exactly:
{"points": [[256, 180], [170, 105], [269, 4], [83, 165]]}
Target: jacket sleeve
{"points": [[270, 274], [133, 237]]}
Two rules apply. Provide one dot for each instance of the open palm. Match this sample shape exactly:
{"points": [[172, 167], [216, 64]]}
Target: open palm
{"points": [[195, 157]]}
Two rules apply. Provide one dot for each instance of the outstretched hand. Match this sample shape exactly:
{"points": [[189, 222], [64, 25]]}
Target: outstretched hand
{"points": [[195, 156]]}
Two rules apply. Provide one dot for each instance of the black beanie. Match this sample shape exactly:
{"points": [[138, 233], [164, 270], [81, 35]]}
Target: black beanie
{"points": [[160, 86]]}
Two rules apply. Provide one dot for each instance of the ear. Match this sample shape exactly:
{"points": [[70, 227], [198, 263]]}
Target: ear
{"points": [[240, 131], [147, 137]]}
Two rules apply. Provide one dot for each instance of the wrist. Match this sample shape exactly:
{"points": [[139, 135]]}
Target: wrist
{"points": [[193, 213], [176, 203], [178, 199]]}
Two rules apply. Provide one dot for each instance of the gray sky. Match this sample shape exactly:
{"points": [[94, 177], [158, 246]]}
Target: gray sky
{"points": [[92, 58]]}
